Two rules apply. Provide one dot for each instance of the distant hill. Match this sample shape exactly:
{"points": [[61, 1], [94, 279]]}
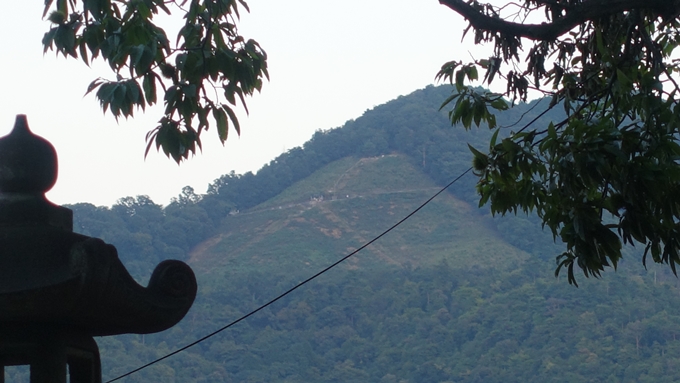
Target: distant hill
{"points": [[412, 126], [453, 295], [342, 206]]}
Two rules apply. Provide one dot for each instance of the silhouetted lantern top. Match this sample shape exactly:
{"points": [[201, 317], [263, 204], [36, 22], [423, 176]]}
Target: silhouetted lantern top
{"points": [[53, 278]]}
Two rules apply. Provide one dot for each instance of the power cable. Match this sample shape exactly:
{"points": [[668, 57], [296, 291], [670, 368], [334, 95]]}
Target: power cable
{"points": [[295, 287], [524, 115]]}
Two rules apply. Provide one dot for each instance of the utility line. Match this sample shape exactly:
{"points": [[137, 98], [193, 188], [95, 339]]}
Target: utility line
{"points": [[525, 113], [295, 287]]}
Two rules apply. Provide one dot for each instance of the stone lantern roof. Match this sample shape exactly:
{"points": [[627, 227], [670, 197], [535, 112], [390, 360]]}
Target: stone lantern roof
{"points": [[59, 285]]}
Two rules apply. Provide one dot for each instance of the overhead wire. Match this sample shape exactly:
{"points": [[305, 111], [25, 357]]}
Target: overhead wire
{"points": [[179, 350]]}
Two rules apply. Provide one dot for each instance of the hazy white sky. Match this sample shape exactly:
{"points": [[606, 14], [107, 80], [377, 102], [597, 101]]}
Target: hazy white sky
{"points": [[329, 62]]}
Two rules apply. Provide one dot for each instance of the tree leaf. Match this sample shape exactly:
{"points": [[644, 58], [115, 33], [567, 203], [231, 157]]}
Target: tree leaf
{"points": [[149, 86], [222, 124]]}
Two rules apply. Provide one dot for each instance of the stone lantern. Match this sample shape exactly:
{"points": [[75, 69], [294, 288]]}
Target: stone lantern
{"points": [[59, 289]]}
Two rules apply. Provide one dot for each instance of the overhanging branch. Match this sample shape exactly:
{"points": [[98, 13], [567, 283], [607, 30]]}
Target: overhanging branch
{"points": [[576, 15]]}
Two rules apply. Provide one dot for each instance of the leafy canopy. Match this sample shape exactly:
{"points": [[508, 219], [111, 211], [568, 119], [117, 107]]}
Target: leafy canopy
{"points": [[202, 72], [607, 174]]}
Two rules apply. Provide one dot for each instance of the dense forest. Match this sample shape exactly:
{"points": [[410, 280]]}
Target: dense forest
{"points": [[491, 316]]}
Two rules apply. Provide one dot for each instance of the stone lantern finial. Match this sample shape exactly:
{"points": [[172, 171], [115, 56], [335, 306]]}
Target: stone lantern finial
{"points": [[28, 163], [28, 169]]}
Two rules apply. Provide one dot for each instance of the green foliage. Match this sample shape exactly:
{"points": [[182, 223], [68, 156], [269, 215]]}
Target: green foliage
{"points": [[202, 75], [607, 174]]}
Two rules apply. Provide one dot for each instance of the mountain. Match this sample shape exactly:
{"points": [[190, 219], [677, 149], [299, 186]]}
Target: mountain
{"points": [[451, 295], [342, 206]]}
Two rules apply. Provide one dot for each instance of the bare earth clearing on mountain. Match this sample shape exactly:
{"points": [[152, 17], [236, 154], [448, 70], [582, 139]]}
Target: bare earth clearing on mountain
{"points": [[345, 204]]}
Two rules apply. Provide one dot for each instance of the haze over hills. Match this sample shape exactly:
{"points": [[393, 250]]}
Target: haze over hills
{"points": [[452, 295]]}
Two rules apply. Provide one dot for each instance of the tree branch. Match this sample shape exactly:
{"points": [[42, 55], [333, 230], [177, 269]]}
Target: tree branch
{"points": [[576, 15]]}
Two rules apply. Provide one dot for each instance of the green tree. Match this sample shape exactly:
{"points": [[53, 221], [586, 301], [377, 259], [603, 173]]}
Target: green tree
{"points": [[607, 174], [202, 74]]}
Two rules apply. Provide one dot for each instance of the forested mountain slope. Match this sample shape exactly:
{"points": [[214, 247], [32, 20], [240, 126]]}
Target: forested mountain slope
{"points": [[410, 125], [453, 295], [344, 205]]}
